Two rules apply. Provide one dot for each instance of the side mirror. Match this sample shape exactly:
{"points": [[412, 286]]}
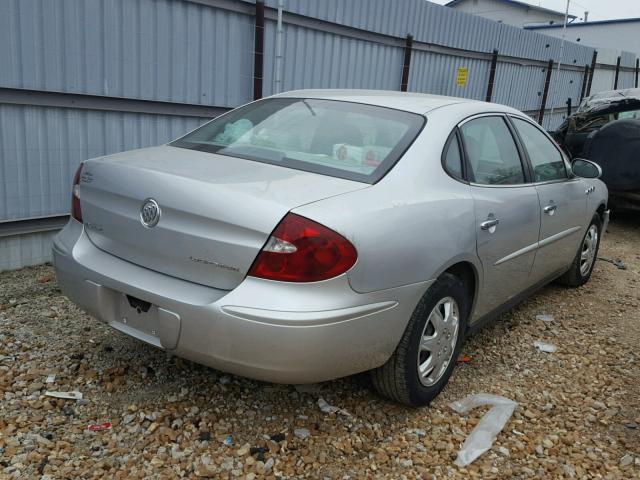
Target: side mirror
{"points": [[586, 168]]}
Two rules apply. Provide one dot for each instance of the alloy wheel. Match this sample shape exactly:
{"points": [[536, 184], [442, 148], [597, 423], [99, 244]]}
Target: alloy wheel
{"points": [[438, 341], [588, 252]]}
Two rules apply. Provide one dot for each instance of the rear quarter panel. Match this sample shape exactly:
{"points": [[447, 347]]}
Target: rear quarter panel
{"points": [[412, 224]]}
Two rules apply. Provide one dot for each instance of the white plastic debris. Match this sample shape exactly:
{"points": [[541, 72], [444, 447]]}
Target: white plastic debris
{"points": [[326, 408], [503, 451], [545, 318], [492, 423], [545, 347], [302, 433], [51, 378], [74, 395]]}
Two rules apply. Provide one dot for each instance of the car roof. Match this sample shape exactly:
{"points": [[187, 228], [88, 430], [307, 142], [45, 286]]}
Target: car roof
{"points": [[407, 101]]}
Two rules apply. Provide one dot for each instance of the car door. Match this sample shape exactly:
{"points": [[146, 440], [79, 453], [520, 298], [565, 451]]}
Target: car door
{"points": [[506, 208], [562, 201]]}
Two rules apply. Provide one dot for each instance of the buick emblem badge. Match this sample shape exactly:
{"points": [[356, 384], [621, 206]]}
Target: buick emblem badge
{"points": [[150, 213]]}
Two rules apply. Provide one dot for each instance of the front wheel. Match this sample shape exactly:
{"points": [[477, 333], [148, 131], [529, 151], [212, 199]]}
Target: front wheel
{"points": [[426, 355], [585, 259]]}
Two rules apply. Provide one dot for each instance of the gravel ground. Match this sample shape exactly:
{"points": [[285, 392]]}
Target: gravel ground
{"points": [[577, 414]]}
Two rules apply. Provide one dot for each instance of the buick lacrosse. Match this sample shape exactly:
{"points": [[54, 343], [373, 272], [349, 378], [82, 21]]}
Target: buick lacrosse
{"points": [[320, 233]]}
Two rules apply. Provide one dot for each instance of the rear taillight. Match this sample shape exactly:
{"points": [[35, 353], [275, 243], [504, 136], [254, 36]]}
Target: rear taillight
{"points": [[301, 250], [76, 211]]}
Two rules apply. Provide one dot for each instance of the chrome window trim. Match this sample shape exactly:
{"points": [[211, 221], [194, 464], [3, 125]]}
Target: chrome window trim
{"points": [[565, 159], [480, 115], [516, 185], [504, 117], [564, 180]]}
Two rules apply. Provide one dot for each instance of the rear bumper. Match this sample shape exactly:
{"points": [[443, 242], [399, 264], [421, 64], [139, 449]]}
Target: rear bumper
{"points": [[272, 331]]}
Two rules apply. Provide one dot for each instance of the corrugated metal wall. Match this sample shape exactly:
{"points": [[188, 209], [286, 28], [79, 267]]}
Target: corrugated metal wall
{"points": [[23, 250], [201, 53], [427, 21], [436, 73], [315, 59], [40, 148], [519, 85], [432, 23], [604, 78], [162, 50], [174, 51]]}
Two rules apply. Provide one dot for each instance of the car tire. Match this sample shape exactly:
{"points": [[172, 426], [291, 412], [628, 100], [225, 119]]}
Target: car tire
{"points": [[399, 379], [580, 271]]}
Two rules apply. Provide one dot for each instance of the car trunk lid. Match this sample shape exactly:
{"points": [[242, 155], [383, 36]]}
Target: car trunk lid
{"points": [[216, 212]]}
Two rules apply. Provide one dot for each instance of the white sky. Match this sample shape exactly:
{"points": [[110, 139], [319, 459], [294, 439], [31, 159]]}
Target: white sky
{"points": [[598, 9]]}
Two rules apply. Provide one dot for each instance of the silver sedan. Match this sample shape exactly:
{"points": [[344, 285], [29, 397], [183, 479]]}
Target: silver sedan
{"points": [[317, 234]]}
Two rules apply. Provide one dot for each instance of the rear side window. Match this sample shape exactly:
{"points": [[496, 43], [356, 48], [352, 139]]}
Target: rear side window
{"points": [[452, 158], [546, 160], [492, 152], [341, 139]]}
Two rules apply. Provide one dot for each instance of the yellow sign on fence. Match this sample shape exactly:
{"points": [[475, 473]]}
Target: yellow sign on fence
{"points": [[461, 77]]}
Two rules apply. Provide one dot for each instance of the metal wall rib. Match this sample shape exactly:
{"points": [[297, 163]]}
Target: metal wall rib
{"points": [[40, 148]]}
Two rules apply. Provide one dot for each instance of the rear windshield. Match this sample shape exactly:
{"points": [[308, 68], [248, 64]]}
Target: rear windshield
{"points": [[341, 139]]}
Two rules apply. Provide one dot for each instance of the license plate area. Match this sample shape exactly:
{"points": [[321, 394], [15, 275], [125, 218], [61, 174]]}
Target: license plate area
{"points": [[142, 317], [146, 321], [139, 305]]}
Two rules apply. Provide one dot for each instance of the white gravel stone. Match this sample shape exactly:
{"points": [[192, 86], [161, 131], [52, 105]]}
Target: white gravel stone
{"points": [[302, 433], [626, 460]]}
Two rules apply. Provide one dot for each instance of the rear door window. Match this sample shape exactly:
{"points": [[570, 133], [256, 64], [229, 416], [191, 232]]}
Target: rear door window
{"points": [[492, 152], [545, 158], [342, 139]]}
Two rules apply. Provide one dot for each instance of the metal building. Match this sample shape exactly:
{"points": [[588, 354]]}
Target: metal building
{"points": [[511, 12], [85, 78], [600, 34]]}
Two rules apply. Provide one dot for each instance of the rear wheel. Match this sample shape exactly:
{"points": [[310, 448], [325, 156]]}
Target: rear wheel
{"points": [[426, 355], [585, 259]]}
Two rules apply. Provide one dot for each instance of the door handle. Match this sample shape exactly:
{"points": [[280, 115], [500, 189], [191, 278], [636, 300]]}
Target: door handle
{"points": [[550, 209], [490, 224]]}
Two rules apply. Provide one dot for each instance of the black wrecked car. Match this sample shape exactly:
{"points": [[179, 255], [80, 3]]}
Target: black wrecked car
{"points": [[606, 129]]}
